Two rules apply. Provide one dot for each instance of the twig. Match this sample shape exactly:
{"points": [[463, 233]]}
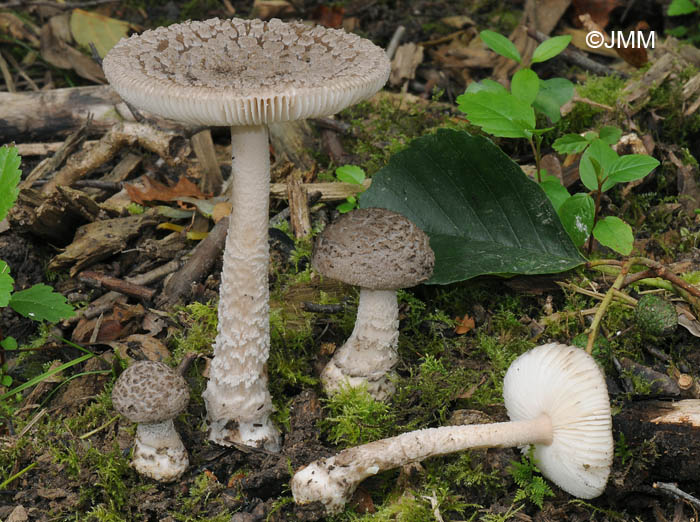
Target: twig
{"points": [[7, 75], [670, 487], [98, 429], [595, 326], [395, 41]]}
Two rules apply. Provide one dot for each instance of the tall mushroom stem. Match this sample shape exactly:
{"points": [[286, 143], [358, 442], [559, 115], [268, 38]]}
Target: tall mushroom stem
{"points": [[369, 353], [237, 399], [332, 481]]}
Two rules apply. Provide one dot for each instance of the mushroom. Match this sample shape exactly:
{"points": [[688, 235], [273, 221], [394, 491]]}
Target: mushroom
{"points": [[557, 400], [380, 251], [152, 394], [244, 74]]}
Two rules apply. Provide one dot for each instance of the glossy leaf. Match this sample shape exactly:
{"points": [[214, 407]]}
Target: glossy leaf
{"points": [[577, 214], [482, 213], [630, 168]]}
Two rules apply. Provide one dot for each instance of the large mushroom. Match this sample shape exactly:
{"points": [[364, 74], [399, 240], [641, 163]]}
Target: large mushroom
{"points": [[152, 394], [244, 74], [380, 251], [557, 400]]}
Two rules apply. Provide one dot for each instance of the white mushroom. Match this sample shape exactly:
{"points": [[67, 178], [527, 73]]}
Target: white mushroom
{"points": [[557, 400], [244, 74], [152, 394], [380, 251]]}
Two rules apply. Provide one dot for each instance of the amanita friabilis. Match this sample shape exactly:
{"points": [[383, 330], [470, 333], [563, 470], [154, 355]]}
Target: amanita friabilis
{"points": [[152, 394], [244, 74], [380, 251], [557, 400]]}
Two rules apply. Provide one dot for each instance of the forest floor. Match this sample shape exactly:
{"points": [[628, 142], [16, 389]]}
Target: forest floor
{"points": [[65, 452]]}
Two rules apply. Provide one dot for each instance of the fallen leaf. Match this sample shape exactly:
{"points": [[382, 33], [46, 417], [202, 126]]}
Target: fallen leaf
{"points": [[221, 210], [599, 10], [104, 32], [329, 16], [152, 348], [156, 191], [466, 324], [14, 26], [635, 55], [55, 49]]}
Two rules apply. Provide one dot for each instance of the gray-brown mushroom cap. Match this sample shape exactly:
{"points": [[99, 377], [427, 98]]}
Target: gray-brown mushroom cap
{"points": [[374, 248], [245, 72], [150, 391]]}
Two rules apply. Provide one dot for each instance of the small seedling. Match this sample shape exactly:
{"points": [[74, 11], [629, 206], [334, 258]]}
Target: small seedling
{"points": [[350, 174], [600, 169], [685, 8], [531, 486]]}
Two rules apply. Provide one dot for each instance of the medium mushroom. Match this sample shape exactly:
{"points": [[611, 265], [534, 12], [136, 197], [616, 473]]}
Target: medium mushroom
{"points": [[380, 251], [244, 74], [152, 394], [557, 400]]}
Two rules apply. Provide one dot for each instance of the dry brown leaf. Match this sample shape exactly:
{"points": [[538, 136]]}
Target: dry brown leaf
{"points": [[14, 26], [636, 56], [156, 191], [221, 210], [599, 10], [55, 49], [465, 325], [329, 16]]}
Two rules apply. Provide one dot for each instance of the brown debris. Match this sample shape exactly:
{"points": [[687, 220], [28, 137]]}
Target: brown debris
{"points": [[156, 191], [299, 215]]}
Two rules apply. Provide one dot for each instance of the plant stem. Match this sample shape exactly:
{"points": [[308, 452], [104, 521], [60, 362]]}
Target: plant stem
{"points": [[595, 326], [536, 152]]}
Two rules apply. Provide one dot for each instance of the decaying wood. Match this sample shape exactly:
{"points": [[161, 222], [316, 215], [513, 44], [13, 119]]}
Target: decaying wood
{"points": [[172, 147], [329, 191], [199, 264], [292, 142], [403, 67], [673, 428], [99, 240], [640, 90], [299, 215], [115, 284], [330, 141], [659, 383], [203, 147], [124, 168], [54, 217]]}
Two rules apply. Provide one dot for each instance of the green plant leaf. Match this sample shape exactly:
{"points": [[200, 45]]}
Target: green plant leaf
{"points": [[500, 114], [6, 283], [485, 85], [577, 214], [41, 303], [346, 206], [603, 155], [681, 7], [9, 343], [553, 93], [570, 144], [550, 48], [91, 27], [500, 44], [614, 233], [556, 192], [6, 381], [525, 85], [350, 174], [482, 213], [9, 178], [610, 135], [629, 168]]}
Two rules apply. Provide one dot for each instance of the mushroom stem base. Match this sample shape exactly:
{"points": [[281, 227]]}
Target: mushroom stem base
{"points": [[159, 452]]}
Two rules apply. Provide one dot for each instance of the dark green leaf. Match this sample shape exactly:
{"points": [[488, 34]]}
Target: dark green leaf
{"points": [[553, 93], [577, 214], [350, 174], [570, 144], [603, 155], [614, 233], [41, 303], [525, 85], [556, 192], [550, 48], [629, 168], [610, 135], [500, 44], [483, 215], [9, 178], [500, 114]]}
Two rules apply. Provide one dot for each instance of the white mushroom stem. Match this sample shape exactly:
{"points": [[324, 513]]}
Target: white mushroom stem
{"points": [[332, 481], [369, 354], [237, 399], [159, 452]]}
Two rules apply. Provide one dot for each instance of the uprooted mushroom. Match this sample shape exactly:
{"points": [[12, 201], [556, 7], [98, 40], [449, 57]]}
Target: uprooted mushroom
{"points": [[244, 74], [558, 402]]}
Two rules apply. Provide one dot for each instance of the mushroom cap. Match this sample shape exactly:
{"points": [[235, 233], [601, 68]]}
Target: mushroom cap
{"points": [[565, 383], [245, 72], [150, 391], [374, 248]]}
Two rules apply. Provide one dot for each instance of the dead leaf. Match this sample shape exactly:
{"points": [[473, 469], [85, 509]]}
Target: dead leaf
{"points": [[221, 210], [599, 10], [156, 191], [14, 26], [152, 348], [104, 32], [466, 324], [55, 49], [329, 16], [266, 9], [636, 56]]}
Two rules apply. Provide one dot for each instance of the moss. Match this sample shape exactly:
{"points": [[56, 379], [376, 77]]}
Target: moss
{"points": [[198, 330], [583, 117]]}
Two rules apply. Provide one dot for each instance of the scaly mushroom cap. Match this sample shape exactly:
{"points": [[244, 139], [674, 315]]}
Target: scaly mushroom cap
{"points": [[150, 392], [374, 248], [565, 383], [245, 72]]}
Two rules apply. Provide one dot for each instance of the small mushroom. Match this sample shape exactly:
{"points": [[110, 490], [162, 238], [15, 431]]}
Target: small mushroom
{"points": [[244, 74], [380, 251], [557, 400], [152, 394]]}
